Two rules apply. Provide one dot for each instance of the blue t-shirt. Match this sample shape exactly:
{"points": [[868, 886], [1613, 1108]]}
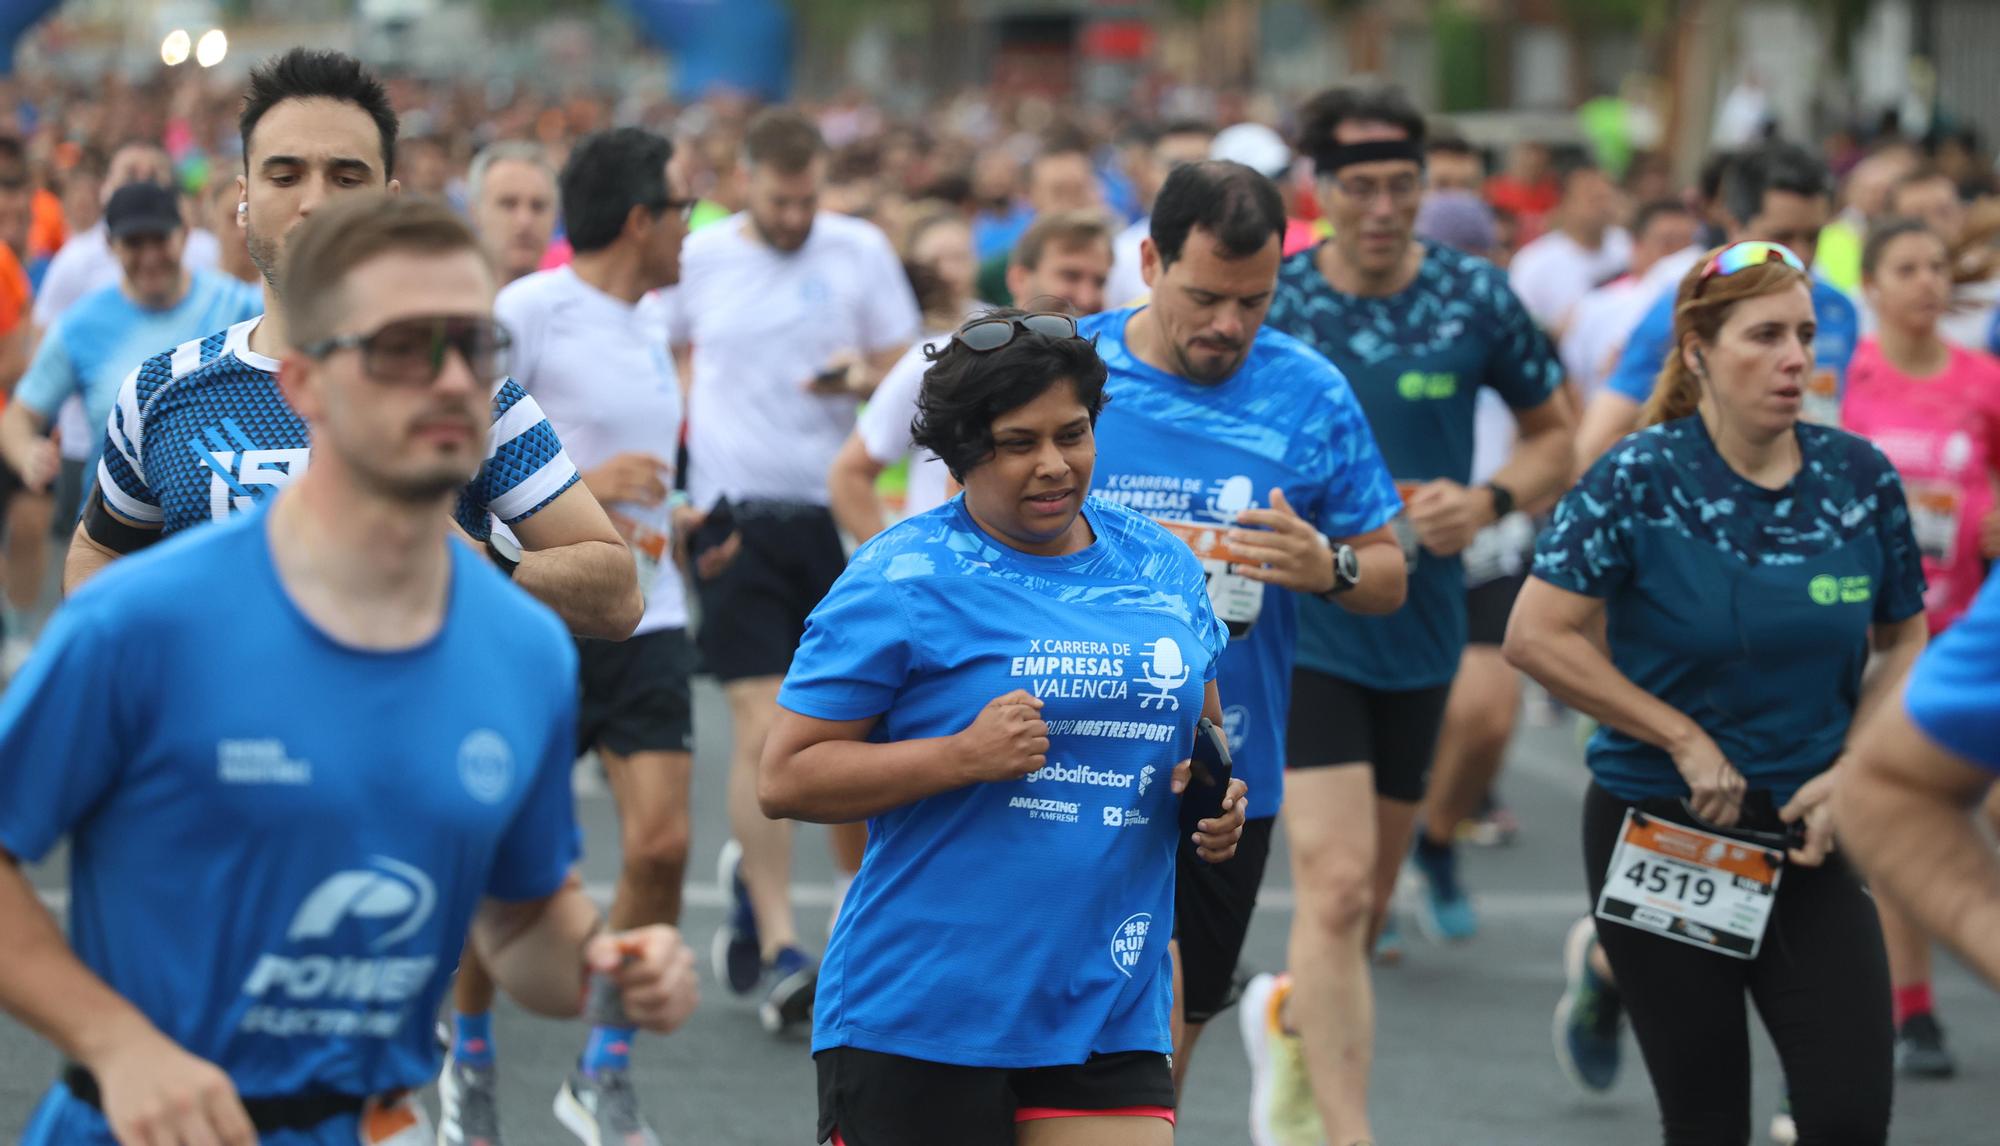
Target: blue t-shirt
{"points": [[1839, 332], [101, 340], [1017, 924], [202, 432], [1746, 608], [1954, 690], [1416, 360], [277, 841], [1192, 455]]}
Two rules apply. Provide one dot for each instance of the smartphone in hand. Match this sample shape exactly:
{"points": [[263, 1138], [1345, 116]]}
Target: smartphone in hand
{"points": [[1208, 782]]}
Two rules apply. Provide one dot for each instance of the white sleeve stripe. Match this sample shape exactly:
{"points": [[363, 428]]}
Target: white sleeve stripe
{"points": [[126, 427], [187, 356], [521, 417], [123, 502], [537, 488]]}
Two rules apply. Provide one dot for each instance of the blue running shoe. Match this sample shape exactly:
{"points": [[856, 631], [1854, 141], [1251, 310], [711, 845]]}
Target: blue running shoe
{"points": [[1589, 1017], [1444, 911], [737, 955], [794, 977]]}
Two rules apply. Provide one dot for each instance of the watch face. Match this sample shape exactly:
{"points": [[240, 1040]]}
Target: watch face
{"points": [[505, 546], [1347, 564]]}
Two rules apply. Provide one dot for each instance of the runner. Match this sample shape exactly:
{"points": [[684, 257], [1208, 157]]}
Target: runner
{"points": [[1008, 687], [1251, 448], [1915, 775], [1584, 249], [1934, 409], [1063, 258], [1177, 142], [512, 190], [785, 317], [1930, 195], [1061, 177], [200, 433], [1777, 194], [1418, 330], [601, 373], [1661, 231], [24, 517], [1723, 651], [294, 1004], [1451, 163]]}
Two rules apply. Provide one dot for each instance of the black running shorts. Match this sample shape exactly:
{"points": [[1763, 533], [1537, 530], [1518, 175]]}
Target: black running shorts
{"points": [[871, 1099], [1213, 903], [1335, 721], [754, 612], [635, 694]]}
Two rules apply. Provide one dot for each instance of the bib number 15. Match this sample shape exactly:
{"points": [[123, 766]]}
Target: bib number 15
{"points": [[1659, 879]]}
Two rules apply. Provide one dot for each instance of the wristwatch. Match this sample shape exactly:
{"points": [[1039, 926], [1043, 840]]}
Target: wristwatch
{"points": [[1346, 569], [504, 552], [1503, 499]]}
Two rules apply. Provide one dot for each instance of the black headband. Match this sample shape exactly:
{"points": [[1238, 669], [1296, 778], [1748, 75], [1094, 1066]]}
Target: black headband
{"points": [[1331, 157]]}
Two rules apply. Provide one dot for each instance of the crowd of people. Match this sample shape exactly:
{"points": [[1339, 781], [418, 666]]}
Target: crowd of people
{"points": [[1048, 496]]}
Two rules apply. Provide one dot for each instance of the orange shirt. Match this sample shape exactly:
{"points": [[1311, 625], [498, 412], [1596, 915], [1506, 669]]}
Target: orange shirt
{"points": [[46, 229], [15, 293]]}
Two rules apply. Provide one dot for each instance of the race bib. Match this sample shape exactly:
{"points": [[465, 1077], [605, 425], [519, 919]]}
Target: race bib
{"points": [[1236, 599], [1406, 534], [648, 534], [1501, 549], [1822, 398], [1692, 886], [396, 1121], [1936, 510]]}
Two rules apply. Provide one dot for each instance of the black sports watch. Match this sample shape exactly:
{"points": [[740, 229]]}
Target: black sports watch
{"points": [[1503, 499], [505, 554], [1346, 570]]}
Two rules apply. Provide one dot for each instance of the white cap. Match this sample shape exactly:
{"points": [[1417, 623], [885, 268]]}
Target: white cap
{"points": [[1254, 146]]}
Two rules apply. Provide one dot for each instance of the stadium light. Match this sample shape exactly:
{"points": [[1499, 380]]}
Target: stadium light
{"points": [[174, 49], [213, 46]]}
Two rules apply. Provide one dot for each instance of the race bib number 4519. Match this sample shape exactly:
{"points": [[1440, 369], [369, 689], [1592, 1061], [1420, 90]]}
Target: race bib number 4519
{"points": [[1691, 886]]}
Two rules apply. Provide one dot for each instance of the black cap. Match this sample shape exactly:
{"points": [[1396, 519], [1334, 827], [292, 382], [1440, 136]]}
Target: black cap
{"points": [[142, 209]]}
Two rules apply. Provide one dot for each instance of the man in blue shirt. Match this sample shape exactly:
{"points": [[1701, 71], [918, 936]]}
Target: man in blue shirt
{"points": [[1250, 447], [101, 340], [1914, 776], [1418, 330], [396, 776], [1779, 194]]}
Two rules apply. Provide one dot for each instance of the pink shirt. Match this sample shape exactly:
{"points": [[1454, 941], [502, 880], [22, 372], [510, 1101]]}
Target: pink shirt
{"points": [[1943, 435]]}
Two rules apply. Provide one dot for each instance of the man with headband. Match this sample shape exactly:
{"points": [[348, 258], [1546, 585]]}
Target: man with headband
{"points": [[1417, 329]]}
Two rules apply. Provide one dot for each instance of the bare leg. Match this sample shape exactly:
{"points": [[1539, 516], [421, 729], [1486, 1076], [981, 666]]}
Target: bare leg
{"points": [[652, 790], [1478, 724], [1121, 1131], [767, 843]]}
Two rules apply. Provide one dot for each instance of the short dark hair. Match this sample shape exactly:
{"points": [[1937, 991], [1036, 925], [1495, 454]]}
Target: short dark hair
{"points": [[312, 73], [1926, 173], [1708, 181], [1323, 114], [1647, 212], [964, 391], [1445, 139], [1771, 167], [1065, 229], [1064, 140], [607, 175], [13, 160], [349, 231], [1886, 232], [1237, 205], [782, 139], [1185, 126]]}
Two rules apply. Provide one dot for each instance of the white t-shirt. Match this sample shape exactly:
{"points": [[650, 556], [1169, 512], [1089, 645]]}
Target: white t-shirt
{"points": [[762, 323], [599, 369], [1128, 280], [83, 266], [885, 427], [1599, 326], [1553, 272]]}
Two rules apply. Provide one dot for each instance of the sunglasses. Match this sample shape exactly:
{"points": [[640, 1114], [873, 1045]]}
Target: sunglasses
{"points": [[1742, 256], [982, 335], [412, 351], [682, 207]]}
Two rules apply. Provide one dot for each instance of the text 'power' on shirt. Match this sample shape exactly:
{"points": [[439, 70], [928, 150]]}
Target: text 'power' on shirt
{"points": [[1024, 923], [1417, 361], [202, 432], [1193, 456], [763, 323], [600, 371], [277, 840]]}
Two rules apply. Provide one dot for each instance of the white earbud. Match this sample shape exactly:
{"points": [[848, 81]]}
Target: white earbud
{"points": [[242, 209]]}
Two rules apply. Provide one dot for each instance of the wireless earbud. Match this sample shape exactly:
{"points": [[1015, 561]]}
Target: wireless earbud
{"points": [[242, 209], [1700, 363]]}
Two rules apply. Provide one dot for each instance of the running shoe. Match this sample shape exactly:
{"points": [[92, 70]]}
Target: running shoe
{"points": [[1389, 944], [793, 976], [1444, 911], [468, 1108], [1784, 1131], [737, 954], [1920, 1049], [1494, 827], [1282, 1111], [602, 1110], [1589, 1016]]}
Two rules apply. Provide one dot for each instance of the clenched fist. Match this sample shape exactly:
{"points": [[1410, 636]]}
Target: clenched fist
{"points": [[1007, 741]]}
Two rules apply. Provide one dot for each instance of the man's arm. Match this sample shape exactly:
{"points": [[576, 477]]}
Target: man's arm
{"points": [[850, 486], [574, 562], [25, 447], [1447, 515], [1905, 812], [87, 558], [542, 952]]}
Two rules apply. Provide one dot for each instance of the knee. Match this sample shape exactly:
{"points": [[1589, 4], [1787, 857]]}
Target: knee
{"points": [[1337, 897], [659, 848]]}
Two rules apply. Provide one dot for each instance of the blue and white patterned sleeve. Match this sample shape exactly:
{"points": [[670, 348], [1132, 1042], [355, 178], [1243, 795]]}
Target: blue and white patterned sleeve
{"points": [[526, 466], [121, 472], [1525, 369], [1360, 495], [1587, 548]]}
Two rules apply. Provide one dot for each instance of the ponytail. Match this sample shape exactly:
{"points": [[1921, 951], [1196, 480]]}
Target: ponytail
{"points": [[1676, 392]]}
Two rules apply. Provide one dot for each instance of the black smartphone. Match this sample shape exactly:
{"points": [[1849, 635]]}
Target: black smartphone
{"points": [[830, 381], [714, 529], [1208, 782]]}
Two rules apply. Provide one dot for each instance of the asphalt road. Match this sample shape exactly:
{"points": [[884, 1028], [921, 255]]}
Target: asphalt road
{"points": [[1463, 1055]]}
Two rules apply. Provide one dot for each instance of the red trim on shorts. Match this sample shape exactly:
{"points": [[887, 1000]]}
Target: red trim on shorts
{"points": [[1037, 1113]]}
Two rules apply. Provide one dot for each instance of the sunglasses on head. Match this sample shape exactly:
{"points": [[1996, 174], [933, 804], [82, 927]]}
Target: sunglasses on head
{"points": [[1742, 256], [412, 351], [987, 334]]}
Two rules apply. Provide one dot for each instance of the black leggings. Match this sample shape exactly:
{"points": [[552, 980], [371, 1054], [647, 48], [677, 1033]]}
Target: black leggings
{"points": [[1820, 982]]}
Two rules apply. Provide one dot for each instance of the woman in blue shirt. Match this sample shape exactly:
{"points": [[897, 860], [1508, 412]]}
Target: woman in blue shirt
{"points": [[1007, 689], [1741, 566]]}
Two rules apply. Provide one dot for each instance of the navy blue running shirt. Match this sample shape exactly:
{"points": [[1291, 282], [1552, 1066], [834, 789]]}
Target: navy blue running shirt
{"points": [[1017, 924], [276, 841], [1746, 608], [201, 432]]}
